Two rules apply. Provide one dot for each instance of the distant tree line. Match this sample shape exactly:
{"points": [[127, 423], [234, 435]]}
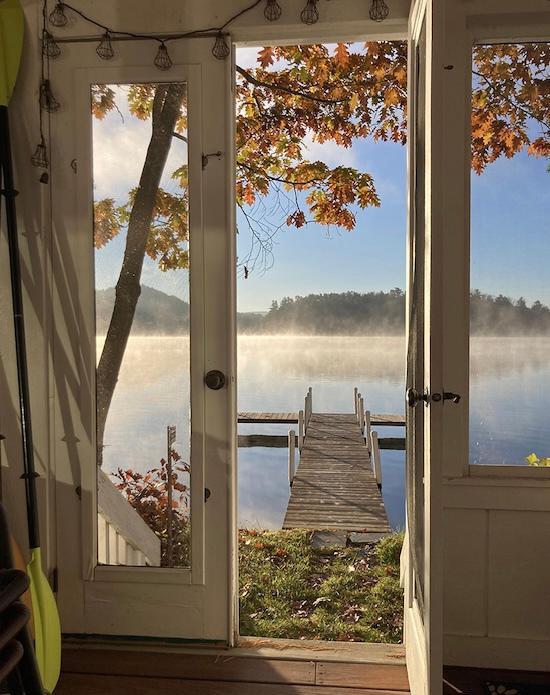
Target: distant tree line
{"points": [[343, 313]]}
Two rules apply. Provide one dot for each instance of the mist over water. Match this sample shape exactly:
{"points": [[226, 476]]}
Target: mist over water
{"points": [[509, 402]]}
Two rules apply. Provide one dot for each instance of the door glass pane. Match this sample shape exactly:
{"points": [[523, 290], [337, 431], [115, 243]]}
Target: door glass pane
{"points": [[141, 241], [510, 255], [415, 358]]}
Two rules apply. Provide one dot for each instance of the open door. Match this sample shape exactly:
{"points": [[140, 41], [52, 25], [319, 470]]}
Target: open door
{"points": [[422, 553], [135, 147]]}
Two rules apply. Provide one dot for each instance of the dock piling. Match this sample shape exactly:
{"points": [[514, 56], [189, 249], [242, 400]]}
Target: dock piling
{"points": [[291, 456], [375, 457]]}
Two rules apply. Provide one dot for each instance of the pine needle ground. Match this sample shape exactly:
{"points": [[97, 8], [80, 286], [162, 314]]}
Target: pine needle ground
{"points": [[289, 589]]}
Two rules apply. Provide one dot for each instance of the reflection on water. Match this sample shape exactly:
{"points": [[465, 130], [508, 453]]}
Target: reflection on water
{"points": [[510, 400]]}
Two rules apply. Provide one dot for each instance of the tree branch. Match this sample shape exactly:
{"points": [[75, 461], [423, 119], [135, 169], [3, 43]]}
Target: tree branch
{"points": [[287, 90], [290, 182], [513, 103]]}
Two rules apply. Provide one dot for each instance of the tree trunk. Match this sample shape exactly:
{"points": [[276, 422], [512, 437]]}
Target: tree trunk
{"points": [[166, 109]]}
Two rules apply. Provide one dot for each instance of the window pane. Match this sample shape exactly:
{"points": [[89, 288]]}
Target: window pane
{"points": [[141, 240], [510, 254]]}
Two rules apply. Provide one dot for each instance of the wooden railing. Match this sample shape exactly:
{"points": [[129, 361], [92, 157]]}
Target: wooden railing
{"points": [[123, 538]]}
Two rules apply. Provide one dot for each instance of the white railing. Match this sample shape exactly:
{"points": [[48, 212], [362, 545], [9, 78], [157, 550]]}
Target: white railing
{"points": [[123, 538]]}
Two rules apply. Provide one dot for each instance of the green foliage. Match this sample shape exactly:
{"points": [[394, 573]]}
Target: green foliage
{"points": [[534, 460], [289, 589], [388, 550], [148, 495]]}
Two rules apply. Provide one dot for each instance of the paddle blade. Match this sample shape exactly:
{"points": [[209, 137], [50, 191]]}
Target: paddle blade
{"points": [[12, 28], [47, 629]]}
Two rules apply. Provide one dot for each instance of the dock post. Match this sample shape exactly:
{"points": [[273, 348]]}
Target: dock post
{"points": [[291, 456], [300, 430], [310, 396], [361, 409], [355, 392], [375, 457], [367, 430]]}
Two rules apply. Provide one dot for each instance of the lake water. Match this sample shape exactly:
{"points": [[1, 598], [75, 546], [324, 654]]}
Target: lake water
{"points": [[510, 405]]}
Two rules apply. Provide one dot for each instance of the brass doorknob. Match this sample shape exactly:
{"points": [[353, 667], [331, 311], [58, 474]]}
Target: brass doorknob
{"points": [[215, 379]]}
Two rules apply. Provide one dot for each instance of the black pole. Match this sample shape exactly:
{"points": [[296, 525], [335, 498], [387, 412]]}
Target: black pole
{"points": [[9, 193]]}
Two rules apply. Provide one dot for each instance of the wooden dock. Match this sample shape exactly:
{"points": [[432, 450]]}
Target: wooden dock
{"points": [[335, 485], [377, 419], [338, 483]]}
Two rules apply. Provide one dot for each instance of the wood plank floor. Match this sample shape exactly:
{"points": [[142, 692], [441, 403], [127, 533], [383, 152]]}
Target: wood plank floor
{"points": [[116, 671], [334, 486]]}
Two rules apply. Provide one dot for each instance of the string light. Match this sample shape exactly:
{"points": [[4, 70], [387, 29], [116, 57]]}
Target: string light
{"points": [[378, 11], [162, 59], [272, 10], [47, 100], [50, 47], [40, 156], [57, 17], [105, 48], [310, 13], [220, 50]]}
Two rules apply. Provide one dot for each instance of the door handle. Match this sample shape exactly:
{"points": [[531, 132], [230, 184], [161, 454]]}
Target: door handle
{"points": [[215, 379], [414, 397], [450, 396]]}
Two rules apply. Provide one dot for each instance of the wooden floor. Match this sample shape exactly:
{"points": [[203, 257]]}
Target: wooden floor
{"points": [[334, 486], [233, 672], [319, 668]]}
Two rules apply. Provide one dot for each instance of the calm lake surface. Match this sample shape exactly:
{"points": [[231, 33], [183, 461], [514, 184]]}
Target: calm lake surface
{"points": [[509, 403]]}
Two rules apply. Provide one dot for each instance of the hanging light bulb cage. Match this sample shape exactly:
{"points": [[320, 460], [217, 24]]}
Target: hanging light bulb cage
{"points": [[379, 11], [105, 48], [162, 59], [50, 47], [310, 13], [48, 102], [220, 49], [57, 17], [40, 156], [272, 10]]}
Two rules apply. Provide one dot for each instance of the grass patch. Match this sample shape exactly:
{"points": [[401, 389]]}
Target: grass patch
{"points": [[288, 589]]}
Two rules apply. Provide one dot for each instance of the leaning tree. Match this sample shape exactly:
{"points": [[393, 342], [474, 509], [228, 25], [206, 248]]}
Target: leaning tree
{"points": [[293, 93]]}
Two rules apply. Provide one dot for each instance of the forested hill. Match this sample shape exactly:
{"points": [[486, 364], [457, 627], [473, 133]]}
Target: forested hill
{"points": [[345, 313]]}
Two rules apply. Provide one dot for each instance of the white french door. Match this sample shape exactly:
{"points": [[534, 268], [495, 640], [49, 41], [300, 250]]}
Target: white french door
{"points": [[121, 572], [422, 555]]}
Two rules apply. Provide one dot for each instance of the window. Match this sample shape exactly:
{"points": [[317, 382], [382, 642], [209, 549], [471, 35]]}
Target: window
{"points": [[141, 240], [510, 255]]}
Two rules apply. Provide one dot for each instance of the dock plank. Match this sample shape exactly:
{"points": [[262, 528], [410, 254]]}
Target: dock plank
{"points": [[334, 486]]}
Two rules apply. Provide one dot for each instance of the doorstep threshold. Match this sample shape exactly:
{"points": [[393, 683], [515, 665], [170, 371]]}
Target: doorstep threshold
{"points": [[252, 647]]}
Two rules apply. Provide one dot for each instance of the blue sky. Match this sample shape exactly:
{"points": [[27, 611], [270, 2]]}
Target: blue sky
{"points": [[510, 224]]}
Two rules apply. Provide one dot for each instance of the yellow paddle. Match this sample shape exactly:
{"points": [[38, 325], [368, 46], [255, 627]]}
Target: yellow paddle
{"points": [[46, 618]]}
